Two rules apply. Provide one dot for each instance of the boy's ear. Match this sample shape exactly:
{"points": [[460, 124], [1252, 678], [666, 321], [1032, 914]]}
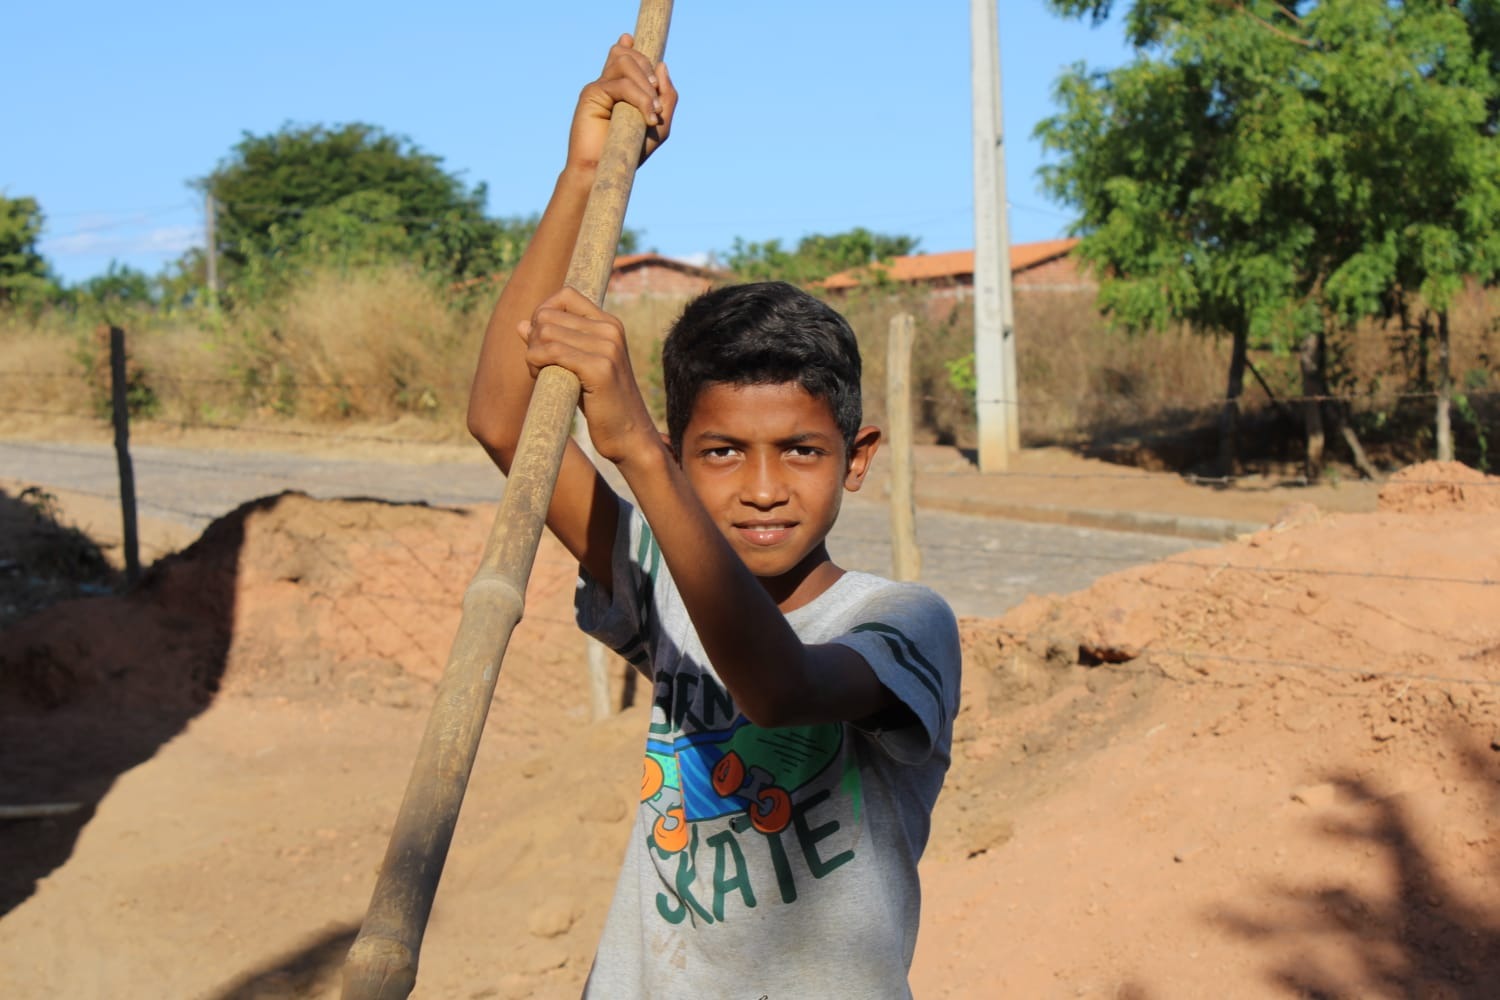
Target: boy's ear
{"points": [[866, 443]]}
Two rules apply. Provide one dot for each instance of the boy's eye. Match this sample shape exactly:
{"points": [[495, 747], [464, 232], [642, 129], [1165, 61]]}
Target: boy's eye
{"points": [[804, 451], [721, 453]]}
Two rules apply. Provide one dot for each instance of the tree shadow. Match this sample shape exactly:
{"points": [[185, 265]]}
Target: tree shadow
{"points": [[92, 686], [1186, 441], [305, 971], [1427, 940], [42, 559]]}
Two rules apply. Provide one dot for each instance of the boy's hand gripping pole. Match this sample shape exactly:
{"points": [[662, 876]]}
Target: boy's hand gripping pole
{"points": [[382, 963]]}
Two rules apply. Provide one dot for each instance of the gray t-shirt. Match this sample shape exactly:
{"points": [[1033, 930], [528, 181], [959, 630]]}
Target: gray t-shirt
{"points": [[772, 863]]}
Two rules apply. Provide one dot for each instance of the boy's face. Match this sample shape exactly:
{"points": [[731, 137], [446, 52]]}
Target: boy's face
{"points": [[769, 464]]}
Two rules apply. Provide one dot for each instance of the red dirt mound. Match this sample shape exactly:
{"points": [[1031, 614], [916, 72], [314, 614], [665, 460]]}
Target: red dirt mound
{"points": [[282, 595], [1434, 486], [1264, 769]]}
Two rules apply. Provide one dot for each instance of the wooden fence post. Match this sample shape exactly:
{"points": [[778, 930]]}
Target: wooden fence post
{"points": [[118, 392], [906, 558], [598, 680]]}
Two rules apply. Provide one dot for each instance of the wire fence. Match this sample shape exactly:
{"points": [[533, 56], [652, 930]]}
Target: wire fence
{"points": [[407, 601], [450, 495], [341, 385], [274, 427]]}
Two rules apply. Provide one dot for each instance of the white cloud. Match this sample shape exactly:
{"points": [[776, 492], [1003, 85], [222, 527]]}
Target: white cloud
{"points": [[108, 241]]}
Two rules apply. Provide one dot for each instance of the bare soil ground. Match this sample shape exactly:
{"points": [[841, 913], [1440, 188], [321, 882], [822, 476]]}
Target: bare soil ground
{"points": [[1266, 769]]}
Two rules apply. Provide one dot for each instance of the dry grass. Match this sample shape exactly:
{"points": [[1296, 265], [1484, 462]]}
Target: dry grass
{"points": [[1078, 376], [38, 371], [647, 320], [387, 346], [372, 344], [1082, 377]]}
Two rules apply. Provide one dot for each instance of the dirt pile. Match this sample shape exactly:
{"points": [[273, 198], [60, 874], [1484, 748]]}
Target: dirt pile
{"points": [[1264, 769], [280, 597], [1274, 764], [1434, 486]]}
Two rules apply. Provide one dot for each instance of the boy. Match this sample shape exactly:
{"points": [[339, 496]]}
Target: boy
{"points": [[802, 716]]}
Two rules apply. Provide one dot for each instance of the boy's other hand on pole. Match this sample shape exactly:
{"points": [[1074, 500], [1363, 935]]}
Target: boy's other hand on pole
{"points": [[571, 332], [628, 76]]}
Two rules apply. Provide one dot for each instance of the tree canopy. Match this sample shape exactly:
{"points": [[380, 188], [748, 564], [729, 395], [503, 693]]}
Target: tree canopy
{"points": [[816, 256], [24, 275], [352, 194], [1280, 170]]}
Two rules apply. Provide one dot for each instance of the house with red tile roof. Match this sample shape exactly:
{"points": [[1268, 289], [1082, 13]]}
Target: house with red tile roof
{"points": [[1045, 266]]}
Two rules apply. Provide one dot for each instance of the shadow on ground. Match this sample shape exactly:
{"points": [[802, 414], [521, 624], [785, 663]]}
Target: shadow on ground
{"points": [[1428, 939], [42, 559], [307, 970], [92, 686]]}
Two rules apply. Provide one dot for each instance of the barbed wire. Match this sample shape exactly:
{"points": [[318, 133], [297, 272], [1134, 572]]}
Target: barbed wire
{"points": [[1221, 567], [1489, 482], [1212, 567], [1123, 477], [1361, 673], [267, 429], [1250, 396], [240, 383], [155, 504], [238, 472], [1204, 402], [1150, 659]]}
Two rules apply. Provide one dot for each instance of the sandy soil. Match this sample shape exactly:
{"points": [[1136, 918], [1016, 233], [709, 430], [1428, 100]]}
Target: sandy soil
{"points": [[1267, 769]]}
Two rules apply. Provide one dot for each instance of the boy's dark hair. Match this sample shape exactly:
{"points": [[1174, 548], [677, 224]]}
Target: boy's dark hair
{"points": [[761, 334]]}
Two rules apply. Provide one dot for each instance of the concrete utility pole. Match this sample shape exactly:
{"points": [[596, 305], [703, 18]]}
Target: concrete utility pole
{"points": [[211, 248], [994, 325]]}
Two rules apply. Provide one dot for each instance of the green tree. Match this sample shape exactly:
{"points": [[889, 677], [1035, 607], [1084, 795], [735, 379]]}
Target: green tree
{"points": [[350, 195], [816, 257], [1277, 171], [181, 283], [24, 276], [120, 285]]}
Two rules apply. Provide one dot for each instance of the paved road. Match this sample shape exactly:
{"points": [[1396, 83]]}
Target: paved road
{"points": [[981, 565]]}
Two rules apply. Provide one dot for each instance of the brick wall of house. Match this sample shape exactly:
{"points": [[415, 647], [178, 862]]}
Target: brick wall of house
{"points": [[654, 279], [1061, 274]]}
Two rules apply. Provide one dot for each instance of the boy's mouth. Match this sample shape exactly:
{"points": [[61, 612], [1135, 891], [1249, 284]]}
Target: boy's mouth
{"points": [[764, 533]]}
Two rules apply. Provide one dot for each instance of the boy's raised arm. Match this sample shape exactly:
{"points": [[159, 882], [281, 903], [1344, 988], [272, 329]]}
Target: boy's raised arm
{"points": [[583, 512]]}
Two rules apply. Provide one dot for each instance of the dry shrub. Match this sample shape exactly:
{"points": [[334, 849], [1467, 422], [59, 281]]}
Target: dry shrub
{"points": [[1078, 375], [1081, 376], [647, 320], [183, 362], [38, 370], [371, 343], [942, 336]]}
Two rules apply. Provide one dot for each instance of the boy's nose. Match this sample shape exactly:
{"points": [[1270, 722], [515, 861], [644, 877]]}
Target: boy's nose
{"points": [[762, 487]]}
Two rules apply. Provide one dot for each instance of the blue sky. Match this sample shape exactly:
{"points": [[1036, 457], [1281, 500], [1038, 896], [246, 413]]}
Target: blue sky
{"points": [[796, 117]]}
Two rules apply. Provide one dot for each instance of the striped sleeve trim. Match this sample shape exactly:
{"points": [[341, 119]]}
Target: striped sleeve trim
{"points": [[648, 553], [906, 655]]}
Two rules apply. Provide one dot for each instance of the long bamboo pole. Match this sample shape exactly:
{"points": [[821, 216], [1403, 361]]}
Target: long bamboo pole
{"points": [[382, 962]]}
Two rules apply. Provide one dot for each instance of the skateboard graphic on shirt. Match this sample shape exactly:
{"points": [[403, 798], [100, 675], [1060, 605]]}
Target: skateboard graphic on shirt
{"points": [[743, 769]]}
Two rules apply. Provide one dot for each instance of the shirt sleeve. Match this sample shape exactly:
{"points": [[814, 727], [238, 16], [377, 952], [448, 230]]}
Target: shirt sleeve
{"points": [[624, 616], [909, 637]]}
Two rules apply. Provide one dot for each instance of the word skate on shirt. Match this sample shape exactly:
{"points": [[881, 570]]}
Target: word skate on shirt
{"points": [[772, 863]]}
